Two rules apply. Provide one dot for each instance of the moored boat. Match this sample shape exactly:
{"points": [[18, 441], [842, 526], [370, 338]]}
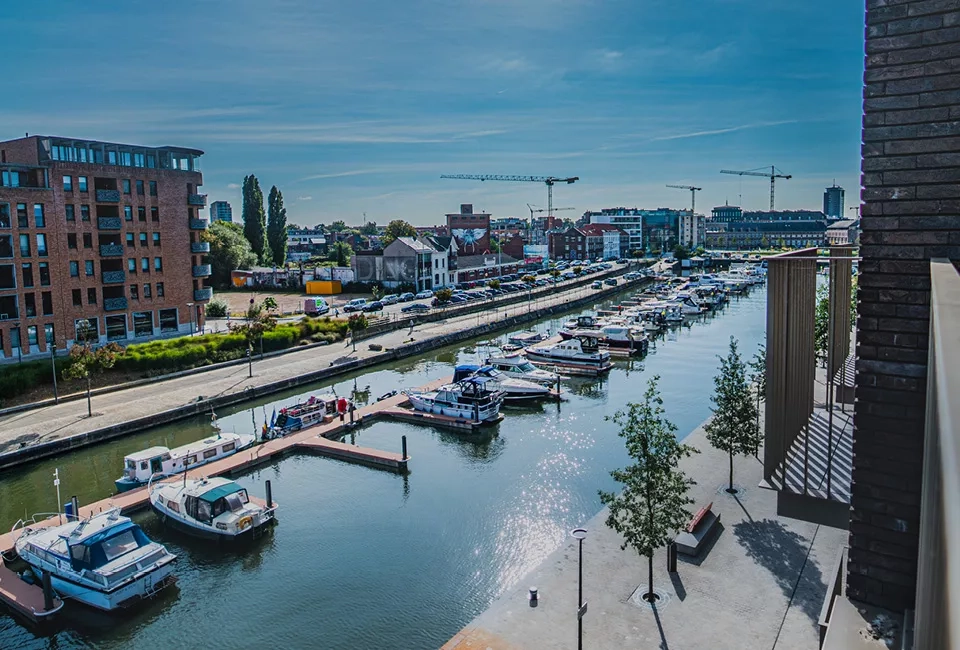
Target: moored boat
{"points": [[211, 508], [318, 409], [580, 355], [519, 367], [477, 399], [525, 338], [513, 389]]}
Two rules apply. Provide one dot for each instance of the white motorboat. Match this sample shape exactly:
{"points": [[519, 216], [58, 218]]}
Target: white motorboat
{"points": [[318, 409], [513, 389], [518, 367], [162, 461], [212, 508], [580, 355], [105, 561], [525, 338], [477, 399]]}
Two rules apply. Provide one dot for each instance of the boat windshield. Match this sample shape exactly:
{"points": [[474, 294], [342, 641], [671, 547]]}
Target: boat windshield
{"points": [[231, 503], [97, 552], [526, 366]]}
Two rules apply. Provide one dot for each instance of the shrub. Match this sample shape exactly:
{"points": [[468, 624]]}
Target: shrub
{"points": [[217, 309]]}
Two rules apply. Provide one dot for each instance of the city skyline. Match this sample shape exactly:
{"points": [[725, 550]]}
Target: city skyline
{"points": [[353, 110]]}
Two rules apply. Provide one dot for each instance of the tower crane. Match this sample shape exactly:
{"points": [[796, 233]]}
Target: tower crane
{"points": [[693, 194], [549, 181], [773, 175]]}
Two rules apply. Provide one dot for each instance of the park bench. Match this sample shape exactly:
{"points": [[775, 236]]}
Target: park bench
{"points": [[692, 539]]}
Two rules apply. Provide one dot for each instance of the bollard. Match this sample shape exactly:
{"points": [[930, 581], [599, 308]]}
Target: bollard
{"points": [[403, 445], [672, 557], [47, 592], [269, 494], [352, 409], [558, 388], [75, 502], [533, 596]]}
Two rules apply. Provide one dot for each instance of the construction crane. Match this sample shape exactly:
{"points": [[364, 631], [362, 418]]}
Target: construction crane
{"points": [[773, 175], [549, 181], [538, 210], [693, 195]]}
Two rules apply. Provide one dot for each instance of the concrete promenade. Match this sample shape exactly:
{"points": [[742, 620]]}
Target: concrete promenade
{"points": [[759, 587]]}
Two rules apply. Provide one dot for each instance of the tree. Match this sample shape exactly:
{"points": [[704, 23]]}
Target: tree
{"points": [[377, 292], [277, 227], [259, 321], [764, 242], [758, 375], [229, 250], [494, 245], [356, 323], [577, 270], [555, 273], [681, 253], [733, 428], [494, 284], [529, 279], [254, 219], [337, 226], [340, 252], [821, 323], [85, 361], [443, 295], [397, 228], [369, 228], [270, 304], [653, 504]]}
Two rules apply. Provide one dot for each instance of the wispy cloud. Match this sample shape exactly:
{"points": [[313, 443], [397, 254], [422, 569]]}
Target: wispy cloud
{"points": [[233, 186], [304, 198], [731, 129]]}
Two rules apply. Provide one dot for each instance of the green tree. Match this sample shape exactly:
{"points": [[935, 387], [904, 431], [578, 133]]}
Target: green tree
{"points": [[86, 361], [254, 219], [821, 323], [764, 242], [369, 228], [529, 279], [356, 323], [337, 226], [733, 427], [258, 322], [340, 252], [758, 375], [277, 227], [229, 250], [270, 304], [652, 506], [494, 284], [681, 253], [555, 273], [377, 292], [494, 245], [397, 228], [216, 308], [443, 295], [577, 270]]}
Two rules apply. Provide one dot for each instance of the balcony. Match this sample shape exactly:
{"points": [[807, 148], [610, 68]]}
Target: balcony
{"points": [[200, 247], [108, 196], [109, 223], [199, 224], [113, 277], [114, 304], [111, 250], [197, 199], [200, 295], [202, 271]]}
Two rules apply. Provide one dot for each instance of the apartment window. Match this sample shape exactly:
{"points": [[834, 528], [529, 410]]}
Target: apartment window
{"points": [[5, 215], [146, 291], [134, 292], [159, 289], [132, 264], [126, 186], [142, 323], [8, 278], [32, 336], [141, 213], [156, 239], [84, 213], [44, 274], [74, 269], [116, 327], [38, 215], [111, 157], [131, 243], [151, 161], [168, 320], [77, 297], [48, 333], [125, 158], [27, 275], [158, 264], [22, 216], [139, 188], [88, 267], [145, 264], [127, 213], [24, 245], [87, 240], [67, 183], [82, 183], [154, 214], [153, 188], [30, 304], [46, 301], [143, 239], [71, 214], [91, 296]]}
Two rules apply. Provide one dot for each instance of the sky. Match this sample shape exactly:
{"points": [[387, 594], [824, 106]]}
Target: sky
{"points": [[355, 109]]}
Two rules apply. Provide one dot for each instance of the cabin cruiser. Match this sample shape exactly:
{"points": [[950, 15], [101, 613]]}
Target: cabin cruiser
{"points": [[212, 508], [513, 389], [619, 336], [689, 305], [162, 461], [477, 398], [580, 355], [105, 561], [579, 323], [316, 410], [518, 367], [525, 338]]}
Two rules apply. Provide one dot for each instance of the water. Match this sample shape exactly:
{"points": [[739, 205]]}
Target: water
{"points": [[365, 558]]}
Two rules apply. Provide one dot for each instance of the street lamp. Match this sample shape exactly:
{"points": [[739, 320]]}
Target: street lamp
{"points": [[53, 366], [250, 359], [190, 307], [16, 326], [579, 534]]}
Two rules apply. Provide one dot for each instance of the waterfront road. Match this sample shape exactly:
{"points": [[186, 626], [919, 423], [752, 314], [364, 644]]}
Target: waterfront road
{"points": [[70, 418]]}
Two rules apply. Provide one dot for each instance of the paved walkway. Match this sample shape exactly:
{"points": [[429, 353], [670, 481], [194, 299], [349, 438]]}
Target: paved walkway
{"points": [[70, 418], [759, 587]]}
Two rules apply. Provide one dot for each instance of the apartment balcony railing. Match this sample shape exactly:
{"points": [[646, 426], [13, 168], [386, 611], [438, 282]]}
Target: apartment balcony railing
{"points": [[111, 250], [197, 199], [199, 224], [108, 196], [113, 277], [114, 304], [200, 247], [202, 271], [109, 223], [199, 295]]}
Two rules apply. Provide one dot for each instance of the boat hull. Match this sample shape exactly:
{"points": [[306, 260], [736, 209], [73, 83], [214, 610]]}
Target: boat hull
{"points": [[484, 413], [205, 532], [128, 595], [587, 368]]}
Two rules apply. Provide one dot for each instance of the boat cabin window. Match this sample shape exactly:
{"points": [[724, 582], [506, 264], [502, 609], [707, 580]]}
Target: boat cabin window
{"points": [[131, 464], [209, 453], [230, 503], [95, 554], [230, 446], [143, 465], [191, 460], [118, 545], [174, 506]]}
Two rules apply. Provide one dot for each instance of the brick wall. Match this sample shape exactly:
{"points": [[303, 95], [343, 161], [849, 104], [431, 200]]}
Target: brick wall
{"points": [[911, 203]]}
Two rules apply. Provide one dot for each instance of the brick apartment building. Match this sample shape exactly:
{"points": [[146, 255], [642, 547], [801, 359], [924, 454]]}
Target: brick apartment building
{"points": [[102, 232]]}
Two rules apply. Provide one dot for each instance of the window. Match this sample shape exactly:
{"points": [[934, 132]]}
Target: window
{"points": [[48, 333], [132, 264], [141, 213], [116, 327], [22, 216], [230, 446], [156, 239], [84, 213], [127, 213], [71, 214], [168, 320], [140, 188], [134, 292], [126, 186], [131, 243], [159, 289], [77, 298], [87, 240], [125, 158], [67, 183], [44, 274], [28, 275], [91, 296], [209, 453], [142, 323], [4, 215], [32, 335], [154, 214], [88, 267], [158, 264], [143, 239], [30, 304], [153, 188], [146, 291], [14, 337], [145, 264], [82, 183], [24, 245], [111, 157], [151, 161], [38, 215], [72, 241], [74, 269], [46, 301]]}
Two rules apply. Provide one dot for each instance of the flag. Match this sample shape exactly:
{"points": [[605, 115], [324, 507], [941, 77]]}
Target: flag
{"points": [[273, 418]]}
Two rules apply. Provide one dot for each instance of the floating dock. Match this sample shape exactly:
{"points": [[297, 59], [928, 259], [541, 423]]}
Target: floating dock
{"points": [[443, 421], [24, 598], [353, 453]]}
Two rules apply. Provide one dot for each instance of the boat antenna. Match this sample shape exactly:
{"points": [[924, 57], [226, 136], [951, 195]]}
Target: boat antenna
{"points": [[56, 483]]}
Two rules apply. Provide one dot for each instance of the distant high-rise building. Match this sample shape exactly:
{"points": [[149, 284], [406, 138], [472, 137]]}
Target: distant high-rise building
{"points": [[221, 211], [833, 202]]}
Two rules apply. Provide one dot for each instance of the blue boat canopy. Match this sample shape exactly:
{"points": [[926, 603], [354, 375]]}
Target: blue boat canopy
{"points": [[223, 490]]}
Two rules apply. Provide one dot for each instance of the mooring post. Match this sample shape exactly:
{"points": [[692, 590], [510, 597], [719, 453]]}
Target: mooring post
{"points": [[47, 591], [558, 388], [75, 502], [269, 494], [403, 445]]}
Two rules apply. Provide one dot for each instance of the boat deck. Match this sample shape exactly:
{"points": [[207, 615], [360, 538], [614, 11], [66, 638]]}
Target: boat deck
{"points": [[24, 598], [443, 421]]}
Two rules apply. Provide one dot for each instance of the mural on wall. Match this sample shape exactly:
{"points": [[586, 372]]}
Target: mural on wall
{"points": [[400, 270], [469, 238], [365, 268]]}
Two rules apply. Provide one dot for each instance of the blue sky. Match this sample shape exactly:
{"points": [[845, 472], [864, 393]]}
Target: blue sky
{"points": [[359, 107]]}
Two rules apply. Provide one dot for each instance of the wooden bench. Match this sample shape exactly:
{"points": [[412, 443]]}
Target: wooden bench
{"points": [[691, 540]]}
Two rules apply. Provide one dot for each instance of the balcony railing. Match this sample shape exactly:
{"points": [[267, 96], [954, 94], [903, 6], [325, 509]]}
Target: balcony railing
{"points": [[111, 250], [108, 196], [200, 247], [109, 223], [113, 277], [114, 304], [199, 224], [197, 199], [199, 295], [202, 271]]}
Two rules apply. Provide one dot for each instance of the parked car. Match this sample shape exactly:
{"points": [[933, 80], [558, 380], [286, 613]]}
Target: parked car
{"points": [[376, 305], [417, 308], [424, 294], [355, 305], [390, 299], [611, 281], [596, 285], [458, 299], [406, 297]]}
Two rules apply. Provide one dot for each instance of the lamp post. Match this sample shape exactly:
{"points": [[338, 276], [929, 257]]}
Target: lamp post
{"points": [[16, 326], [579, 534], [53, 367], [190, 307], [250, 359]]}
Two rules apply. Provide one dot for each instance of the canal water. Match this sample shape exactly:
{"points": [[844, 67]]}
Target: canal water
{"points": [[364, 558]]}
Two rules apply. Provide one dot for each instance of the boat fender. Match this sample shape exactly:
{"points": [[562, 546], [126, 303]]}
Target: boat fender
{"points": [[244, 522]]}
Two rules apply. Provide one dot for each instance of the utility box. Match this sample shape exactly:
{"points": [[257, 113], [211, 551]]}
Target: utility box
{"points": [[323, 287]]}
